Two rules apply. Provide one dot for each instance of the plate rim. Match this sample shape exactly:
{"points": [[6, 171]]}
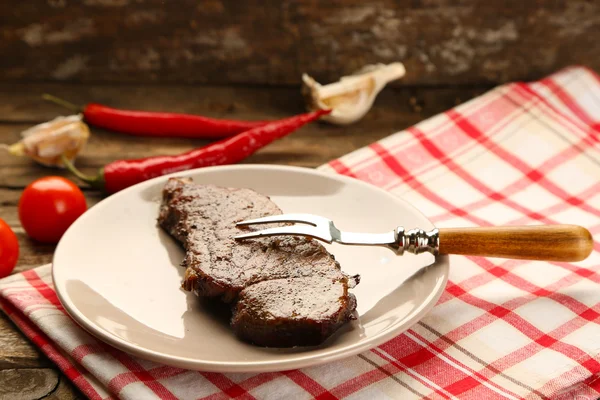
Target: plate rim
{"points": [[252, 366]]}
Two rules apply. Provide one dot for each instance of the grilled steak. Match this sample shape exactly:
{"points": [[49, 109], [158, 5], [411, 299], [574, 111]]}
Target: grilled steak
{"points": [[285, 291]]}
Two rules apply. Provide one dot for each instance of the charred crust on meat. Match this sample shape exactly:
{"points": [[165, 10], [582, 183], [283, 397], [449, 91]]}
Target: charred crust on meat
{"points": [[284, 291]]}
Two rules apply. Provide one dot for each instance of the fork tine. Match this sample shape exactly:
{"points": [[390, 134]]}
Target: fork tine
{"points": [[298, 218], [285, 230]]}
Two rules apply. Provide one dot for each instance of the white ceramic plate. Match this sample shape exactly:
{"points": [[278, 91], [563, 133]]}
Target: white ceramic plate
{"points": [[118, 275]]}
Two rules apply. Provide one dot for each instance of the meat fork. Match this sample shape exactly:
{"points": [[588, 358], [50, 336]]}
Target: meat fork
{"points": [[541, 242]]}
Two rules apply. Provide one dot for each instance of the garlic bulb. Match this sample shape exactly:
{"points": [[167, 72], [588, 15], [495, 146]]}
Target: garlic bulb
{"points": [[352, 96], [47, 142]]}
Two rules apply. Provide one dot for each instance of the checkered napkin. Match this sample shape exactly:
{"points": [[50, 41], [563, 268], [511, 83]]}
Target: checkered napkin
{"points": [[520, 154]]}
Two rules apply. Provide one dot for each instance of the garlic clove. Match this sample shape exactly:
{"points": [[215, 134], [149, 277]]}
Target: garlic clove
{"points": [[352, 96], [46, 143]]}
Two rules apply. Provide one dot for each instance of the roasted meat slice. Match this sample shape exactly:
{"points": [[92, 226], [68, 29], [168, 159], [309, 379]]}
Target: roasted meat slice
{"points": [[285, 291]]}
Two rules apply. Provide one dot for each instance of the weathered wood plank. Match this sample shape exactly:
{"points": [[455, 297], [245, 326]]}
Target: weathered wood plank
{"points": [[309, 147], [22, 102], [27, 384], [65, 391], [15, 350], [274, 42], [394, 110], [31, 253]]}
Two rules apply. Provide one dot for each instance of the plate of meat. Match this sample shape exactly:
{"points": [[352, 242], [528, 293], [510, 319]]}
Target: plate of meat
{"points": [[155, 271]]}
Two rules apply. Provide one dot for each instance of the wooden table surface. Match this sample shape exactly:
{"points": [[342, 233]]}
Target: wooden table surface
{"points": [[24, 371], [160, 55]]}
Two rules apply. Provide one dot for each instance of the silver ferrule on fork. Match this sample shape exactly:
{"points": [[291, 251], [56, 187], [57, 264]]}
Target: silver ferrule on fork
{"points": [[417, 241]]}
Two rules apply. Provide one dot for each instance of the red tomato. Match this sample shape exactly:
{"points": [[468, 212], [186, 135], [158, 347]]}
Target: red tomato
{"points": [[9, 249], [48, 206]]}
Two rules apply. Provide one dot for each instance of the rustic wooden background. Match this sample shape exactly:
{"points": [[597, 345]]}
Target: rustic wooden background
{"points": [[244, 59], [442, 42]]}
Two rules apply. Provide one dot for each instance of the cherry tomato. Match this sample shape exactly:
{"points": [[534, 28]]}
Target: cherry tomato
{"points": [[48, 206], [9, 249]]}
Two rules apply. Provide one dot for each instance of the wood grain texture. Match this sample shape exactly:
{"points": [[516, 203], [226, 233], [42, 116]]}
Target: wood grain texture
{"points": [[312, 145], [22, 102], [274, 42], [15, 350], [547, 243], [27, 384], [65, 390]]}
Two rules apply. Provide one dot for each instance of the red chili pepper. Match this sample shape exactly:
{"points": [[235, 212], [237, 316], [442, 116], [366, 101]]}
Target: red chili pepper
{"points": [[121, 174], [157, 124]]}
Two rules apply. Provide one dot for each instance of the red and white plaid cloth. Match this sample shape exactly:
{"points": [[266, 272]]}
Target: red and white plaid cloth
{"points": [[520, 154]]}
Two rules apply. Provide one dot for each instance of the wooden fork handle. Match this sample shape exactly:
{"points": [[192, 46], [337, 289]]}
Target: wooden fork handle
{"points": [[546, 242]]}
